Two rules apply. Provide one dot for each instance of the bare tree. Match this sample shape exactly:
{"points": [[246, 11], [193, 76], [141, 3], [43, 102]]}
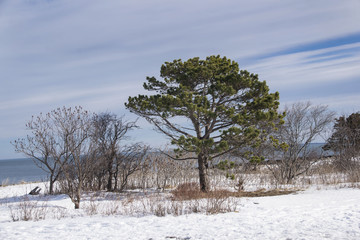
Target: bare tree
{"points": [[73, 127], [60, 144], [128, 160], [164, 169], [304, 122], [41, 145], [78, 148], [109, 132]]}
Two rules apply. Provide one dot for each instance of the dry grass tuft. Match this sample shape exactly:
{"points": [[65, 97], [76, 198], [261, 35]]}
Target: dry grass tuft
{"points": [[191, 191], [265, 193], [187, 191]]}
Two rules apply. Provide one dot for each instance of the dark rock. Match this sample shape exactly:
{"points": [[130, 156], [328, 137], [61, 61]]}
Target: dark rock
{"points": [[35, 191]]}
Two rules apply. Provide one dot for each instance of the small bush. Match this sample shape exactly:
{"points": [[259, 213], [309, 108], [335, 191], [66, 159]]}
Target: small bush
{"points": [[27, 210], [160, 209], [92, 207], [213, 202], [112, 207], [187, 191], [353, 176]]}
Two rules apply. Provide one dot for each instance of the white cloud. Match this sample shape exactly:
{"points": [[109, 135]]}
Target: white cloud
{"points": [[306, 68], [343, 104], [97, 53]]}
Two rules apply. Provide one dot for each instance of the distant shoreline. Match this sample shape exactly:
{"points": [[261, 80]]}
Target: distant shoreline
{"points": [[14, 171]]}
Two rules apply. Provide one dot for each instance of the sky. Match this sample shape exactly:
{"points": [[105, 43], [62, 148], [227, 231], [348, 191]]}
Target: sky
{"points": [[96, 54]]}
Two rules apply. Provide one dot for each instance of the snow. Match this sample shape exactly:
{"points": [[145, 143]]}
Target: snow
{"points": [[332, 213]]}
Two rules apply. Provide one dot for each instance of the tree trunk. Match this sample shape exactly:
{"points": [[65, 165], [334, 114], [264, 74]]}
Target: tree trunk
{"points": [[110, 177], [115, 176], [203, 173], [109, 183], [99, 182], [78, 196], [51, 187]]}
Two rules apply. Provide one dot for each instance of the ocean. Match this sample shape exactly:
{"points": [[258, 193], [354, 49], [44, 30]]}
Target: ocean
{"points": [[14, 171]]}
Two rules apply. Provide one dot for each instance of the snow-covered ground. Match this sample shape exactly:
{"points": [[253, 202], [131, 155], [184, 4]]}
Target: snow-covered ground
{"points": [[311, 214]]}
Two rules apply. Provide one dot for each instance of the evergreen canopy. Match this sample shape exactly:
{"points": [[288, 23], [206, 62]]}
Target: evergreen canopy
{"points": [[207, 107], [346, 135]]}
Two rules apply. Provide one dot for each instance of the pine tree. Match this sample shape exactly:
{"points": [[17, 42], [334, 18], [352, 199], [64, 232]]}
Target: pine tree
{"points": [[207, 108]]}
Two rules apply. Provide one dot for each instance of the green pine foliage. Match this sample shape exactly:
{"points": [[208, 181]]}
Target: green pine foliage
{"points": [[345, 140], [206, 107]]}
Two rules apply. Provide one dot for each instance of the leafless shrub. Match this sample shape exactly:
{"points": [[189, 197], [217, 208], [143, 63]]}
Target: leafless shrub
{"points": [[109, 131], [240, 183], [221, 202], [187, 191], [354, 175], [303, 123], [143, 178], [176, 208], [27, 210], [193, 206], [324, 166], [327, 172], [160, 209], [131, 205], [162, 172], [154, 204], [58, 212], [92, 207], [128, 161], [216, 201], [166, 169], [112, 207]]}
